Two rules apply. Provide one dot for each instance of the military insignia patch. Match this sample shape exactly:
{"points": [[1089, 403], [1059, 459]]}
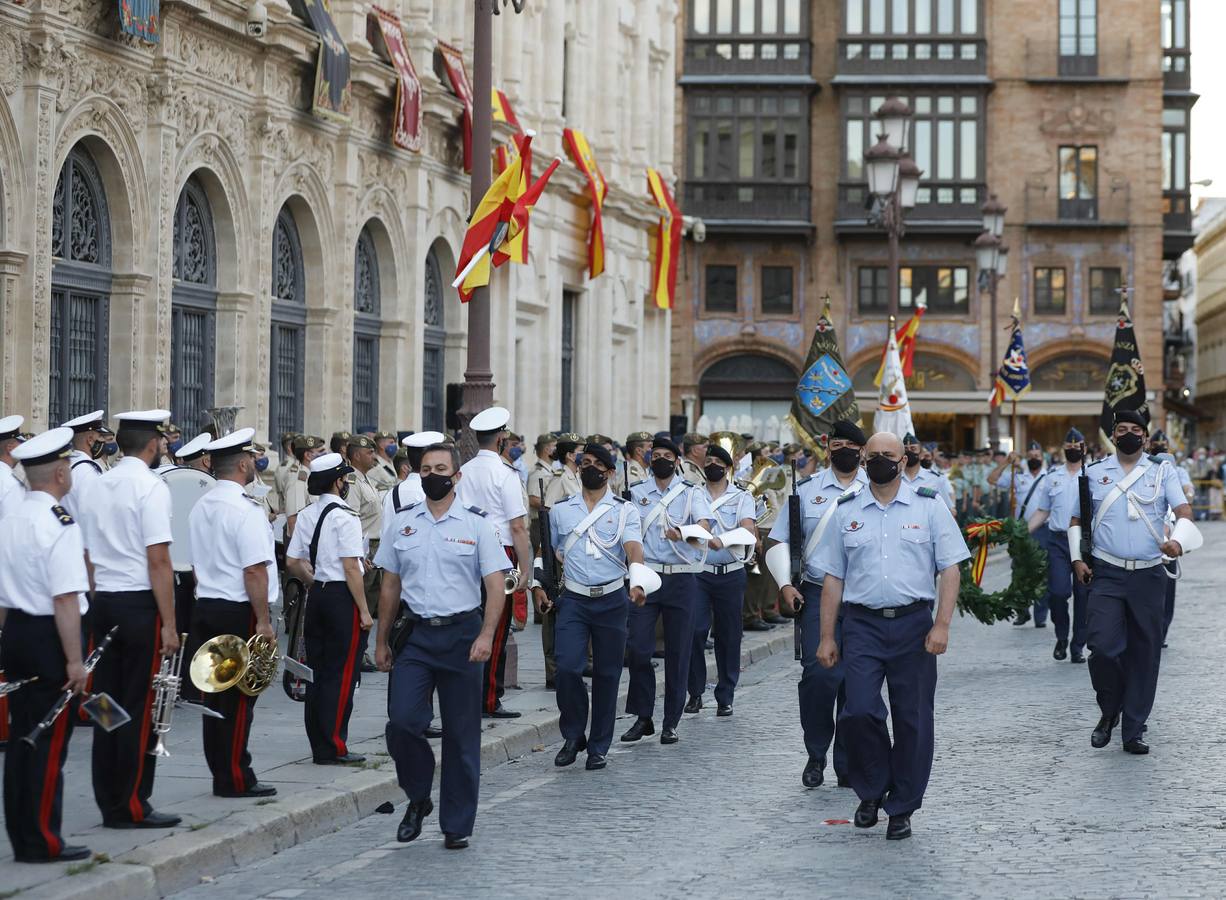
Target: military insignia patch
{"points": [[819, 499], [1106, 479], [644, 502], [854, 526], [408, 530]]}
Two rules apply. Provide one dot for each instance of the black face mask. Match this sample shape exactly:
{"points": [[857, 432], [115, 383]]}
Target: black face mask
{"points": [[882, 470], [1034, 464], [925, 463], [1155, 449], [912, 458], [97, 449], [592, 478], [845, 459], [436, 486], [1073, 455], [1129, 443], [714, 473], [663, 468]]}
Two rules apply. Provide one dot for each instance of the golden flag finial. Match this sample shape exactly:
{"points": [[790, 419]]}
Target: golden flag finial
{"points": [[1017, 308]]}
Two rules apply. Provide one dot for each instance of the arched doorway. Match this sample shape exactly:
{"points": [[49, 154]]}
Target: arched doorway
{"points": [[434, 340], [288, 321], [753, 385], [366, 328], [193, 309], [80, 289]]}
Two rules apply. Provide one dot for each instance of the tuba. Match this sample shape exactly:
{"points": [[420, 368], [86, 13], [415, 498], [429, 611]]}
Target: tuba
{"points": [[228, 661], [730, 441], [222, 419]]}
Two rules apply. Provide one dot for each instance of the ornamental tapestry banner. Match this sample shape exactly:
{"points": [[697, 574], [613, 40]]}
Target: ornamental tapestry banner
{"points": [[407, 118], [453, 62], [333, 91], [140, 18]]}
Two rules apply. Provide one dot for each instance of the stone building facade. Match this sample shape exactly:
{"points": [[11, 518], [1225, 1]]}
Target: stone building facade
{"points": [[1075, 114], [177, 229]]}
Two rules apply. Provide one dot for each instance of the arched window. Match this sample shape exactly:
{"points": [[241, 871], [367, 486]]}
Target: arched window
{"points": [[366, 325], [80, 289], [193, 308], [286, 357], [433, 402]]}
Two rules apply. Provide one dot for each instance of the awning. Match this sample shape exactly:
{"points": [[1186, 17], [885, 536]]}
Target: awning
{"points": [[1034, 403]]}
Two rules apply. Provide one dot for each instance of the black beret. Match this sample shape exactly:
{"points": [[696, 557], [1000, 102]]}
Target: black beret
{"points": [[663, 443], [1132, 417], [600, 452], [1158, 437], [718, 452], [848, 431]]}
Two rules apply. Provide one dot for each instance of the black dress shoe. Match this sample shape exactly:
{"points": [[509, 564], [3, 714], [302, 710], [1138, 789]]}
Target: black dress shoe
{"points": [[68, 853], [756, 625], [501, 712], [153, 820], [1022, 618], [455, 841], [1137, 746], [775, 619], [1061, 651], [814, 773], [1076, 656], [569, 752], [724, 709], [595, 761], [843, 781], [639, 730], [259, 789], [432, 732], [349, 759], [1037, 625], [899, 828], [866, 813], [550, 685], [410, 825], [1101, 736], [669, 736], [694, 705]]}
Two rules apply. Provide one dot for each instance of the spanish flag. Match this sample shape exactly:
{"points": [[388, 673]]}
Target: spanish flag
{"points": [[514, 247], [504, 112], [668, 242], [484, 234], [906, 342], [580, 151]]}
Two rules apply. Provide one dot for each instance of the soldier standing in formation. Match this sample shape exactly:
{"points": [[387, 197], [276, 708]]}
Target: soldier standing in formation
{"points": [[88, 449]]}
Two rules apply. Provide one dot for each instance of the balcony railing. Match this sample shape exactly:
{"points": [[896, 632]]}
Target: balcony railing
{"points": [[1049, 59], [1176, 211], [928, 55], [1176, 70], [1045, 207], [747, 200], [728, 55], [948, 202]]}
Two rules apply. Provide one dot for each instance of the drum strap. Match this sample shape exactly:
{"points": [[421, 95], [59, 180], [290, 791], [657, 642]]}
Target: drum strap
{"points": [[319, 529]]}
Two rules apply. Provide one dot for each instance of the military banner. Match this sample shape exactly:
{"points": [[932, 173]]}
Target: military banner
{"points": [[893, 409], [407, 116], [581, 152], [1125, 388], [333, 90], [504, 112], [1013, 376], [140, 18], [824, 394], [667, 242], [453, 62]]}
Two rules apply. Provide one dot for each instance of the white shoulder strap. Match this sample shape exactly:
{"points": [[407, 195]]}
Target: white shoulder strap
{"points": [[583, 526], [723, 498], [816, 537], [1118, 490], [662, 505]]}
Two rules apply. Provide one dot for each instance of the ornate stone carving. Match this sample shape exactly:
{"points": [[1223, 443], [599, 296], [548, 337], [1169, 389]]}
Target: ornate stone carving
{"points": [[193, 113], [1077, 120], [215, 62], [11, 62], [87, 76]]}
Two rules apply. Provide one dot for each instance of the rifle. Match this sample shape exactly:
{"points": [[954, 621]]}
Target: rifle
{"points": [[625, 478], [796, 534], [548, 573], [1085, 512]]}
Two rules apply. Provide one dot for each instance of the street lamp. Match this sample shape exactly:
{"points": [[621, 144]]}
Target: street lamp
{"points": [[992, 257], [894, 117], [908, 182], [893, 180]]}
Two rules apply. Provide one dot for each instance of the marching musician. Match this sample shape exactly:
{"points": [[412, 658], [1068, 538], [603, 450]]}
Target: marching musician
{"points": [[192, 455], [11, 492], [42, 597], [326, 554], [437, 558], [195, 453], [720, 585], [89, 435], [666, 503], [563, 484], [236, 584], [126, 527], [596, 536]]}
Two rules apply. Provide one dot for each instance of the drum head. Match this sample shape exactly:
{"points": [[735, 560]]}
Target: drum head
{"points": [[186, 486]]}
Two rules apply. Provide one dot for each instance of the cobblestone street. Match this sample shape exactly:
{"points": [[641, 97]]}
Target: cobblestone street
{"points": [[1019, 804]]}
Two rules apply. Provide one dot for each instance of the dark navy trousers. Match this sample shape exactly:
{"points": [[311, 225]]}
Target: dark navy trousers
{"points": [[1125, 638], [1040, 609], [675, 602], [821, 691], [717, 609], [877, 650], [435, 659], [1060, 586], [602, 621]]}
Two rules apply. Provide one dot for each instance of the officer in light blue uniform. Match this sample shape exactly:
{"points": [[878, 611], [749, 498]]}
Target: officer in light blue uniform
{"points": [[721, 586], [596, 536], [665, 502], [883, 554], [1159, 446], [1128, 582], [916, 474], [435, 556], [1048, 513], [820, 690], [1023, 479]]}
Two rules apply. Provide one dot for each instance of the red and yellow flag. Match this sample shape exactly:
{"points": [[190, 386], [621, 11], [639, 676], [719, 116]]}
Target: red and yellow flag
{"points": [[504, 112], [484, 234], [906, 344], [515, 244], [581, 152], [668, 242]]}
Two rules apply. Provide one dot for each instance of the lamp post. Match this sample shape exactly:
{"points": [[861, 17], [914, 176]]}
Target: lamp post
{"points": [[992, 256], [893, 180]]}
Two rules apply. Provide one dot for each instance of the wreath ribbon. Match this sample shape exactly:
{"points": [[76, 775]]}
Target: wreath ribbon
{"points": [[983, 531]]}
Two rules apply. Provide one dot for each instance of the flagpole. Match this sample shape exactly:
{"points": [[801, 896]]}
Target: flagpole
{"points": [[1016, 446]]}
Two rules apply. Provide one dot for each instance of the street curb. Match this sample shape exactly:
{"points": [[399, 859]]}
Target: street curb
{"points": [[247, 835]]}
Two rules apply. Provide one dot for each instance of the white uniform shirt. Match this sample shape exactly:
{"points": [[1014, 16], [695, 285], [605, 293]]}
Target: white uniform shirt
{"points": [[409, 491], [85, 473], [494, 487], [230, 532], [340, 538], [128, 512], [41, 557], [11, 491]]}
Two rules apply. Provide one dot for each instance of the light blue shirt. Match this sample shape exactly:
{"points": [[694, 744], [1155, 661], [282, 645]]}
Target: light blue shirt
{"points": [[1025, 481], [602, 559], [938, 482], [688, 507], [817, 494], [1128, 538], [890, 555], [1059, 496], [440, 561], [740, 505]]}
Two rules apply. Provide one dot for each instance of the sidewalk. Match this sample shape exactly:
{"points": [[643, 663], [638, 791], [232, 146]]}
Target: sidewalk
{"points": [[219, 834]]}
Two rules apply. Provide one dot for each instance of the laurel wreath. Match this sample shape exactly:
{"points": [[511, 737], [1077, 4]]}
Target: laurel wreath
{"points": [[1029, 572]]}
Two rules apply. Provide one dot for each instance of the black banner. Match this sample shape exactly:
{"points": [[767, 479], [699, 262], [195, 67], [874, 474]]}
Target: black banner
{"points": [[1125, 387], [332, 95]]}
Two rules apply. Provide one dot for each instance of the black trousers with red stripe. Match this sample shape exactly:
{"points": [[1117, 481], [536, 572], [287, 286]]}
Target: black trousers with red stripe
{"points": [[335, 643], [493, 677], [33, 779], [225, 740], [122, 767]]}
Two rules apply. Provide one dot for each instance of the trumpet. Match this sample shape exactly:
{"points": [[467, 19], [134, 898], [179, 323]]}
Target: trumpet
{"points": [[510, 582], [166, 685]]}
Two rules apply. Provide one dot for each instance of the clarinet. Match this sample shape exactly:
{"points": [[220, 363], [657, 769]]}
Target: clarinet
{"points": [[90, 663]]}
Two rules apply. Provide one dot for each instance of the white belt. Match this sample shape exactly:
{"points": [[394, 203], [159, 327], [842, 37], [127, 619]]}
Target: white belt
{"points": [[1129, 564], [673, 570], [593, 590], [724, 569]]}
